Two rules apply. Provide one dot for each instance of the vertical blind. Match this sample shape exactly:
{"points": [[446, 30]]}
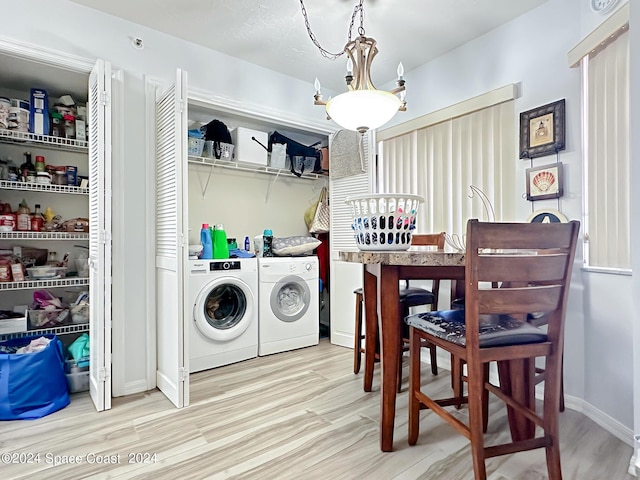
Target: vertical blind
{"points": [[607, 170], [440, 162]]}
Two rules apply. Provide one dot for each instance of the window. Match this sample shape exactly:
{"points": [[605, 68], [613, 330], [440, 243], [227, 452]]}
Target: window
{"points": [[442, 161], [605, 96]]}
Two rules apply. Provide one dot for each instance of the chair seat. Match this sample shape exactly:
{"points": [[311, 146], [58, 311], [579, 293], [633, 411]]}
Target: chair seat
{"points": [[415, 296], [495, 330]]}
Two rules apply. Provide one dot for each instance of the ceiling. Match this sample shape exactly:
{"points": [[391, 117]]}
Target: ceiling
{"points": [[272, 33]]}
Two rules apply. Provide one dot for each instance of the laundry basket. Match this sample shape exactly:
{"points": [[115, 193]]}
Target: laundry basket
{"points": [[384, 221]]}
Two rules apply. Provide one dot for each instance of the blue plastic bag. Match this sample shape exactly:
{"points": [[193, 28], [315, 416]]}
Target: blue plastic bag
{"points": [[32, 385]]}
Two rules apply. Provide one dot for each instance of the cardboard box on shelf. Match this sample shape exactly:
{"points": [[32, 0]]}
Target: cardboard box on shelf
{"points": [[72, 175], [39, 112]]}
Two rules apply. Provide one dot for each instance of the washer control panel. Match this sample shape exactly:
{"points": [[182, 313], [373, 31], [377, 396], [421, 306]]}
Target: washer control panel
{"points": [[224, 265]]}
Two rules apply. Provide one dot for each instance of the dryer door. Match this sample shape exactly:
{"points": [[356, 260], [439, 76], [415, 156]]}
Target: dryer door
{"points": [[290, 298], [224, 309]]}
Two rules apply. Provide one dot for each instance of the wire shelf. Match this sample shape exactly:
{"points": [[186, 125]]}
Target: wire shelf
{"points": [[43, 236], [64, 329], [33, 284], [249, 167], [39, 187], [21, 138]]}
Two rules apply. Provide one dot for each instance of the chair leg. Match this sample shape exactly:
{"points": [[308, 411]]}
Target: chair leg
{"points": [[551, 429], [434, 360], [485, 398], [456, 378], [562, 385], [475, 374], [357, 335], [399, 378], [414, 386]]}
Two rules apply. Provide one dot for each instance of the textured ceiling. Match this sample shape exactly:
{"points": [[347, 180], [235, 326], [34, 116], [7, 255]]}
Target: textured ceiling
{"points": [[272, 33]]}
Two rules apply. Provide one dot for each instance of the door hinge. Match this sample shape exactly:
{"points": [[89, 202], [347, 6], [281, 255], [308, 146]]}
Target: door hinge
{"points": [[102, 374], [104, 237], [181, 106], [104, 98], [182, 374], [182, 241]]}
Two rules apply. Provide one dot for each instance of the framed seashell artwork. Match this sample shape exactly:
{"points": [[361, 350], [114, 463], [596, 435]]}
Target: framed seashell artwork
{"points": [[542, 130], [544, 182]]}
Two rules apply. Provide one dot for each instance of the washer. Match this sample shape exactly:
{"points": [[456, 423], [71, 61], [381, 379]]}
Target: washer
{"points": [[289, 296], [224, 327]]}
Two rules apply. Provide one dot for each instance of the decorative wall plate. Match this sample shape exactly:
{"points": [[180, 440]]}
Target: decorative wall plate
{"points": [[547, 216], [603, 6]]}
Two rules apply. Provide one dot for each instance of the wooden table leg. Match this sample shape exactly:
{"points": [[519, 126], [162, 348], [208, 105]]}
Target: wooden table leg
{"points": [[371, 320], [389, 327], [517, 380]]}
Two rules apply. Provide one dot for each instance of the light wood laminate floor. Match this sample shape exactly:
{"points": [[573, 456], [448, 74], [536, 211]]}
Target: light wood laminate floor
{"points": [[294, 415]]}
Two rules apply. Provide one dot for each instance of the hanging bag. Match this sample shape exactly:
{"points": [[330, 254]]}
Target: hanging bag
{"points": [[321, 218]]}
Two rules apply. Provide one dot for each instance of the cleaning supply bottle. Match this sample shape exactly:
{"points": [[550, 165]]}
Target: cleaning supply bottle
{"points": [[207, 244], [267, 243], [220, 245], [247, 244]]}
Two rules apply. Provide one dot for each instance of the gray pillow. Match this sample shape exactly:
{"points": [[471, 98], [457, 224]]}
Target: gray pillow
{"points": [[293, 246]]}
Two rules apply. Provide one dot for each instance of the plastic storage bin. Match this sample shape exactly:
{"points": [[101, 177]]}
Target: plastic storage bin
{"points": [[195, 146], [224, 152], [77, 377], [249, 150]]}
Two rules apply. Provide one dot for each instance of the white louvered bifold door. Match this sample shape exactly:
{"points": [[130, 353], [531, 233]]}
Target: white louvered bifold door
{"points": [[171, 153], [99, 111], [345, 277]]}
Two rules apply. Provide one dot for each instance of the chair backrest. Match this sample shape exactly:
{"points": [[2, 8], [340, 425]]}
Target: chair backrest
{"points": [[428, 239], [530, 262], [431, 240]]}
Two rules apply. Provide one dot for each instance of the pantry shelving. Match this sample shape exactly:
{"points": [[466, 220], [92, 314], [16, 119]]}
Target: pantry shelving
{"points": [[43, 141], [72, 152], [63, 330]]}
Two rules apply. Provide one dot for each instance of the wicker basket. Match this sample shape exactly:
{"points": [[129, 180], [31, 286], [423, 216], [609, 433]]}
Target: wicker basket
{"points": [[384, 222]]}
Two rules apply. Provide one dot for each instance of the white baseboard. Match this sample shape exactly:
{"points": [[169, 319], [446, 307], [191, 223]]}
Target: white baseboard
{"points": [[342, 339], [633, 466], [134, 387]]}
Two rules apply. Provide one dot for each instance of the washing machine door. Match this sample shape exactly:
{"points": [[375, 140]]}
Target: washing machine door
{"points": [[224, 309], [290, 298]]}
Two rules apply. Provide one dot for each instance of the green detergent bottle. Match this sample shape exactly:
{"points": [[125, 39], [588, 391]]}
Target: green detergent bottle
{"points": [[220, 245]]}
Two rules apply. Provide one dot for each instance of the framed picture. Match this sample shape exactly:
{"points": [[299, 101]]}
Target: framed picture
{"points": [[544, 182], [542, 130]]}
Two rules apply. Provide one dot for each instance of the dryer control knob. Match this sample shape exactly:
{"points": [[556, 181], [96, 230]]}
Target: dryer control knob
{"points": [[307, 267], [226, 266]]}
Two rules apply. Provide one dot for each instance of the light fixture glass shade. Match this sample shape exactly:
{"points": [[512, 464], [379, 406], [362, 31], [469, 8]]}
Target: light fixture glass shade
{"points": [[362, 110]]}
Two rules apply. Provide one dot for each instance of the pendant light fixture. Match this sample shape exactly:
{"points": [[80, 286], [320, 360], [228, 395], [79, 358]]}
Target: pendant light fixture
{"points": [[362, 107]]}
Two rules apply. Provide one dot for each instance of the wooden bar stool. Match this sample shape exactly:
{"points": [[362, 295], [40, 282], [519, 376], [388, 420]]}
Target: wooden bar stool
{"points": [[409, 297]]}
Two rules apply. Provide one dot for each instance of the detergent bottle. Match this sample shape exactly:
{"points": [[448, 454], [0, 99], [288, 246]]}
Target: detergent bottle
{"points": [[220, 245], [207, 244]]}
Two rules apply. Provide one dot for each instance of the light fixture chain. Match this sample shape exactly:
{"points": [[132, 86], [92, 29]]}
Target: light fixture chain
{"points": [[326, 53]]}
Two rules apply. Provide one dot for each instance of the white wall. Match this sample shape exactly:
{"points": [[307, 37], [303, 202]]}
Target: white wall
{"points": [[246, 203], [531, 51]]}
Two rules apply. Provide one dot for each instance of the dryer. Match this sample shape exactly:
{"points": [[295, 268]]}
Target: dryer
{"points": [[289, 303], [224, 326]]}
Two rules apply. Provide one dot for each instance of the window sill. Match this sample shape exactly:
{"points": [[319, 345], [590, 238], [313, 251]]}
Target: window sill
{"points": [[606, 270]]}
